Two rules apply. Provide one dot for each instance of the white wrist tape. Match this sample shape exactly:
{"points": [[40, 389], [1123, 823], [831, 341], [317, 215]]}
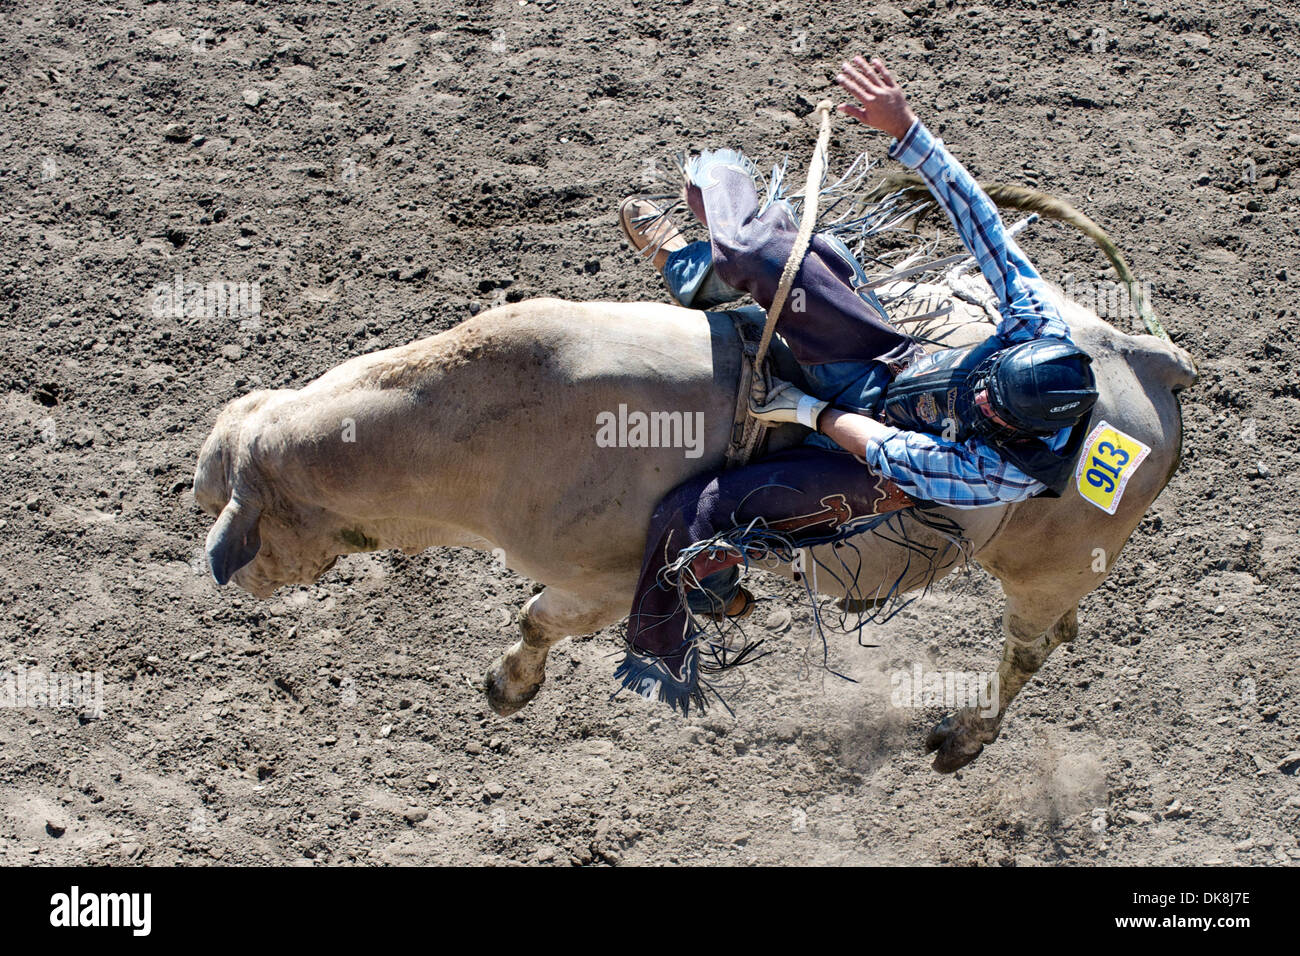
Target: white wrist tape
{"points": [[806, 411]]}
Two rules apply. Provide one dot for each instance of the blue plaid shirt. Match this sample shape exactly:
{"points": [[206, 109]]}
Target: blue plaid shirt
{"points": [[969, 474]]}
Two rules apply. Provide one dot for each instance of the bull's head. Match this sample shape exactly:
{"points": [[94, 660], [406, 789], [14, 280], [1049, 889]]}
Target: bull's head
{"points": [[262, 538]]}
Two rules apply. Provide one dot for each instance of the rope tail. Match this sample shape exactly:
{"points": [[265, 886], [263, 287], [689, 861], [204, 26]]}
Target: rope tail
{"points": [[1009, 196]]}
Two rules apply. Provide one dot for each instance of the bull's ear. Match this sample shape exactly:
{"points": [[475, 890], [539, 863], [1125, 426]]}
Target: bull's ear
{"points": [[233, 540]]}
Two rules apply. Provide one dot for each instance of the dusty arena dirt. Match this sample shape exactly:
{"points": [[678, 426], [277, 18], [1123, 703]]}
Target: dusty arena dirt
{"points": [[376, 172]]}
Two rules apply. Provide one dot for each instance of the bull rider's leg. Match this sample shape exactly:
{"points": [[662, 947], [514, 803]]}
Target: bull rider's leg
{"points": [[796, 498]]}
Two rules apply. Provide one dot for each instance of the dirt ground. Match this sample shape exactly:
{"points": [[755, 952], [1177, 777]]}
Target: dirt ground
{"points": [[382, 171]]}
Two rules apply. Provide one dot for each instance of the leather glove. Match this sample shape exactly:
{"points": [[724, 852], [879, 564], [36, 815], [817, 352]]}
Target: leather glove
{"points": [[786, 404]]}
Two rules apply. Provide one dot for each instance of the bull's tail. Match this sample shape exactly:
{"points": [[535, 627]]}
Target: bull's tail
{"points": [[1010, 196]]}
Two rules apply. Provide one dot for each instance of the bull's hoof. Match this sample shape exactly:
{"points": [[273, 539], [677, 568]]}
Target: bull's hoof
{"points": [[959, 740], [501, 698]]}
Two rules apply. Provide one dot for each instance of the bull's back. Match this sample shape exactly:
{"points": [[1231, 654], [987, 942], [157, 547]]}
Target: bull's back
{"points": [[575, 419]]}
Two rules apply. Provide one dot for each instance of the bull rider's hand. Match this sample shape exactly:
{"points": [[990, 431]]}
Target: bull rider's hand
{"points": [[880, 100], [787, 404]]}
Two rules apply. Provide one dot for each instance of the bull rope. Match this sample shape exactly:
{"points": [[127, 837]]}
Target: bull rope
{"points": [[807, 221]]}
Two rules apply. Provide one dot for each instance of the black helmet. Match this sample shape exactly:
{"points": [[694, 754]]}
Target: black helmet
{"points": [[1041, 386]]}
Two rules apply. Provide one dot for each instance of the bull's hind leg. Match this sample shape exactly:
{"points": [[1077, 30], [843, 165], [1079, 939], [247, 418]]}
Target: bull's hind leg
{"points": [[1030, 635], [549, 616]]}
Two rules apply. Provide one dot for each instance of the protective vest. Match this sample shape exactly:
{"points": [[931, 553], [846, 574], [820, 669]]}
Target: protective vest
{"points": [[933, 395]]}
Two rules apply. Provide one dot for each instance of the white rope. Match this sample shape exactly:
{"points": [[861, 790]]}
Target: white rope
{"points": [[816, 171]]}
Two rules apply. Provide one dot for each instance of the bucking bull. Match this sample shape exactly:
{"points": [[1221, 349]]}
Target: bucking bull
{"points": [[484, 436]]}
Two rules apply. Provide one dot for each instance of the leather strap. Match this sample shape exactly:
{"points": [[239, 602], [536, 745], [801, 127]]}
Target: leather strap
{"points": [[748, 434]]}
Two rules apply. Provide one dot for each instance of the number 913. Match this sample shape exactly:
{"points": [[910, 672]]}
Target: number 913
{"points": [[1102, 474]]}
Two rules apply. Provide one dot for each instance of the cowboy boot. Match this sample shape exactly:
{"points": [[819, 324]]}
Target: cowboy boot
{"points": [[647, 225]]}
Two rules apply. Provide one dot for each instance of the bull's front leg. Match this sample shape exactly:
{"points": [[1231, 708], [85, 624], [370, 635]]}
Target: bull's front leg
{"points": [[960, 737], [549, 616]]}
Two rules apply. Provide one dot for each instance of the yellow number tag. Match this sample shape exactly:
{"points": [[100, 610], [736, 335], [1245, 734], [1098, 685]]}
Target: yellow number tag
{"points": [[1108, 461]]}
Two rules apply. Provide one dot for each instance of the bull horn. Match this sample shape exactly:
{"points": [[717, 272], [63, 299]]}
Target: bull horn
{"points": [[233, 540]]}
